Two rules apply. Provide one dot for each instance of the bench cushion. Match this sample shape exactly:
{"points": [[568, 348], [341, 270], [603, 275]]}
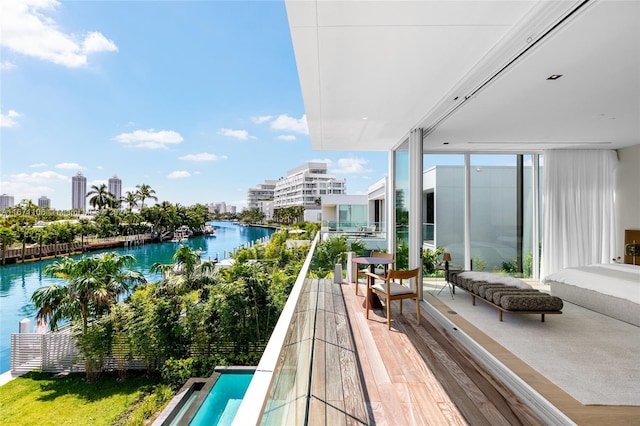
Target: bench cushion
{"points": [[494, 294], [537, 302], [480, 287]]}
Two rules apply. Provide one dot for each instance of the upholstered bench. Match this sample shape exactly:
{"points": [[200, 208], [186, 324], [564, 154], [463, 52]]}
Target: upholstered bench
{"points": [[507, 294]]}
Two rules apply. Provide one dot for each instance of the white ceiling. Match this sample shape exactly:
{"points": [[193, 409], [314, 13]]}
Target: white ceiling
{"points": [[472, 73]]}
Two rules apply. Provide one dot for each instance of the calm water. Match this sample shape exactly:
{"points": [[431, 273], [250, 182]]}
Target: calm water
{"points": [[18, 282], [221, 405]]}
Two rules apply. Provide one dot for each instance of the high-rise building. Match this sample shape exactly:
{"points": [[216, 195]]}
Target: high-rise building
{"points": [[115, 187], [305, 185], [6, 201], [260, 193], [79, 192], [44, 202]]}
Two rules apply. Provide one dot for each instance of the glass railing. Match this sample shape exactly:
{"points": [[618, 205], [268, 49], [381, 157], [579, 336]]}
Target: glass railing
{"points": [[359, 229], [278, 391]]}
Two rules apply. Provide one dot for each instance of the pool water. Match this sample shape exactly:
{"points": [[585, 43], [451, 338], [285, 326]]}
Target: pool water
{"points": [[221, 404]]}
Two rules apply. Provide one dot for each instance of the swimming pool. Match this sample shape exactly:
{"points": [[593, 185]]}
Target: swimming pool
{"points": [[221, 404], [212, 401]]}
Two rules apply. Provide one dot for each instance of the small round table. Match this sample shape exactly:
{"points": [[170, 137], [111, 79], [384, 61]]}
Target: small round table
{"points": [[374, 301]]}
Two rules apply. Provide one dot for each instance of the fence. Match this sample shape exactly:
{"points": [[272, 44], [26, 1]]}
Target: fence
{"points": [[55, 352]]}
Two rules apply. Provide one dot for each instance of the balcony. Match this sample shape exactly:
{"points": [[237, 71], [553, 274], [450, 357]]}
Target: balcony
{"points": [[325, 362]]}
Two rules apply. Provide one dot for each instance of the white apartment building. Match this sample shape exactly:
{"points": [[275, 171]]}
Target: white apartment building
{"points": [[221, 207], [260, 193], [305, 185]]}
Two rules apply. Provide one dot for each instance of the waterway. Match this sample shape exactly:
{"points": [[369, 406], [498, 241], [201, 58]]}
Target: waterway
{"points": [[19, 281]]}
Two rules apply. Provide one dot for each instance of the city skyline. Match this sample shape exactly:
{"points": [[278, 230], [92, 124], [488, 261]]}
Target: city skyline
{"points": [[79, 186], [199, 100]]}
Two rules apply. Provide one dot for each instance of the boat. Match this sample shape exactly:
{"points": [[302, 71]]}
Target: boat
{"points": [[181, 234], [208, 230]]}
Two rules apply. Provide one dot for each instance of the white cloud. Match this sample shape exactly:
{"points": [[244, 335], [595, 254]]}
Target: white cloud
{"points": [[203, 156], [27, 29], [6, 65], [9, 119], [179, 174], [150, 139], [70, 166], [100, 168], [40, 177], [261, 119], [287, 138], [238, 134], [25, 190], [351, 166], [38, 165], [290, 124], [96, 42]]}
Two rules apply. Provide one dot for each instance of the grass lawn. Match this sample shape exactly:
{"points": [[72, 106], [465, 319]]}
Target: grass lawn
{"points": [[42, 399]]}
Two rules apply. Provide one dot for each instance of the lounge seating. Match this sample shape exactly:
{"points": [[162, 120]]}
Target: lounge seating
{"points": [[380, 270], [506, 294], [392, 290]]}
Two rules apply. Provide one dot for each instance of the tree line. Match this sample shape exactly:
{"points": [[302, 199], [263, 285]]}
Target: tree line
{"points": [[28, 224], [182, 326]]}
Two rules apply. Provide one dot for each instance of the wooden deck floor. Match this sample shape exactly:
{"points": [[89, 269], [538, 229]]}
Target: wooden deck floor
{"points": [[414, 375], [418, 375]]}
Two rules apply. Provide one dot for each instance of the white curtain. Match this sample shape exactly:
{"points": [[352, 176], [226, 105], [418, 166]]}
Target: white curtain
{"points": [[578, 208]]}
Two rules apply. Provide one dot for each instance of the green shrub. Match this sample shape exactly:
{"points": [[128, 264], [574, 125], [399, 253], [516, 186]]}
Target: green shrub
{"points": [[430, 260], [176, 372]]}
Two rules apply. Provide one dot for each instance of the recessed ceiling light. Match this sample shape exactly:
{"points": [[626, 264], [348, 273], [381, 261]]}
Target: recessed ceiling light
{"points": [[554, 76], [365, 118]]}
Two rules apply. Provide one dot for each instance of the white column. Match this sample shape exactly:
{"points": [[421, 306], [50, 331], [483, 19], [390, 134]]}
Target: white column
{"points": [[467, 211], [415, 201], [391, 203]]}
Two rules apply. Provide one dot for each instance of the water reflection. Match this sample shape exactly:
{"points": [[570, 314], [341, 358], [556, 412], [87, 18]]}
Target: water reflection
{"points": [[18, 282]]}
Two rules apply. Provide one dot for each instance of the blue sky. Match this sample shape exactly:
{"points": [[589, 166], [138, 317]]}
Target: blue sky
{"points": [[198, 99]]}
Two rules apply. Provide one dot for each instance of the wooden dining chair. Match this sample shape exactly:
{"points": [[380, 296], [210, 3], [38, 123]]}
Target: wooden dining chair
{"points": [[396, 285], [380, 270]]}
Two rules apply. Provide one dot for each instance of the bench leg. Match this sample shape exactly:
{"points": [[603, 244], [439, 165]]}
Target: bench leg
{"points": [[500, 315], [542, 317], [473, 300]]}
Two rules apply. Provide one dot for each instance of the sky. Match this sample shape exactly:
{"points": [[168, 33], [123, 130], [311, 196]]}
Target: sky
{"points": [[198, 99]]}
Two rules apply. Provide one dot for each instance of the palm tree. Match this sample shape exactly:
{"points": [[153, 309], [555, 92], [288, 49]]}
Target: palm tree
{"points": [[186, 268], [93, 285], [131, 199], [101, 197], [145, 192], [7, 237], [85, 228], [22, 229], [39, 235]]}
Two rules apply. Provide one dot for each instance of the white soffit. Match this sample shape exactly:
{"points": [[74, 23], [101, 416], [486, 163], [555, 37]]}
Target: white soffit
{"points": [[595, 104], [386, 61], [372, 70]]}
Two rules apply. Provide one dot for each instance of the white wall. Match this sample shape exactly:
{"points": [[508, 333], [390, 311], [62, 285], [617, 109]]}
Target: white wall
{"points": [[627, 192]]}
